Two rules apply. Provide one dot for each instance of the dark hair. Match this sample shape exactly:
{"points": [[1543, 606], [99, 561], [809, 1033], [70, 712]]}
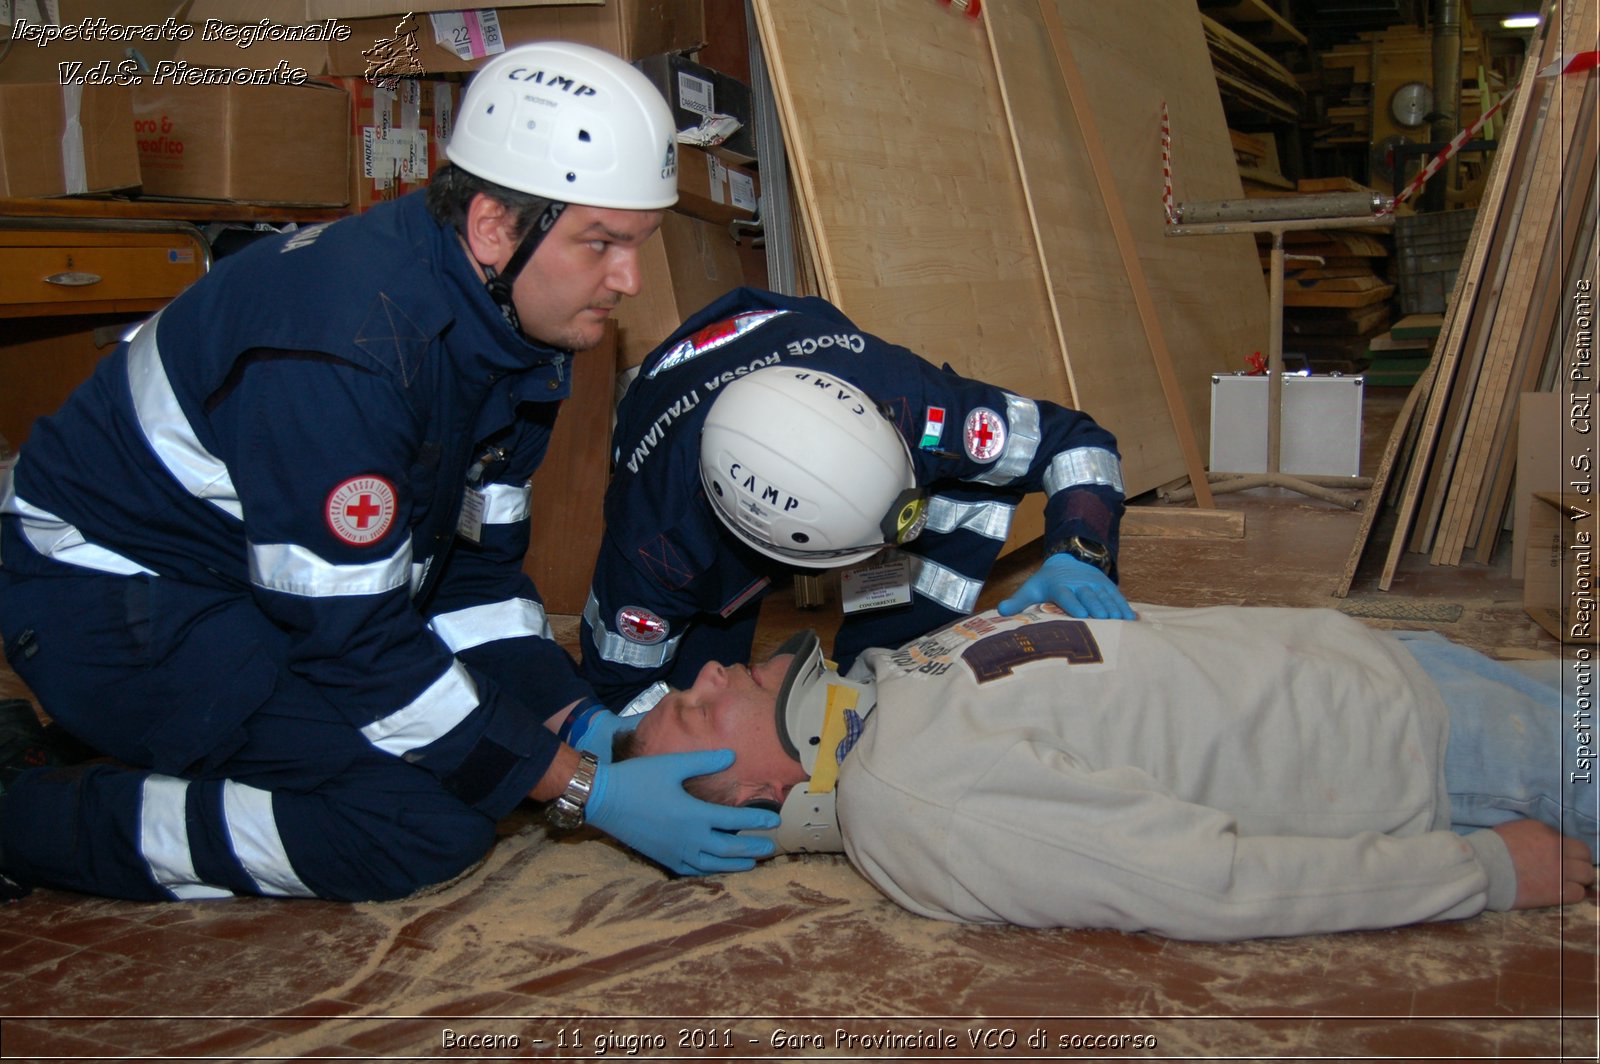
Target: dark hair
{"points": [[451, 191], [718, 788]]}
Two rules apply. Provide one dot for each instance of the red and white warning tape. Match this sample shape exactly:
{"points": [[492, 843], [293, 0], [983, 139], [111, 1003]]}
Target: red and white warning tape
{"points": [[1167, 203], [1575, 64]]}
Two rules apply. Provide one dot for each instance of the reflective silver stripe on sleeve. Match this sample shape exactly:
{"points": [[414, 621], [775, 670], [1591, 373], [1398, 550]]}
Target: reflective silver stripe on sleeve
{"points": [[989, 519], [1022, 418], [54, 538], [619, 651], [294, 570], [472, 627], [944, 585], [164, 839], [430, 716], [169, 433], [253, 834], [1083, 467], [506, 504]]}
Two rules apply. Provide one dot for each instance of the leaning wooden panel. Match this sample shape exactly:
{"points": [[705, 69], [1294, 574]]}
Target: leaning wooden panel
{"points": [[1209, 293], [893, 121]]}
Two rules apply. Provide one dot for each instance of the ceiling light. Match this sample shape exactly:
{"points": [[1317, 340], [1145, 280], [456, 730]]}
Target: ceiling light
{"points": [[1519, 22]]}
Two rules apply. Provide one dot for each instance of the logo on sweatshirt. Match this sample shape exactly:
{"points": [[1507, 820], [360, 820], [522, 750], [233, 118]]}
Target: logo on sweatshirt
{"points": [[639, 625], [361, 510], [984, 435]]}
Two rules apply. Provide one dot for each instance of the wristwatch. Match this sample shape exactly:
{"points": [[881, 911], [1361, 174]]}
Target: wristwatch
{"points": [[566, 812], [1088, 552]]}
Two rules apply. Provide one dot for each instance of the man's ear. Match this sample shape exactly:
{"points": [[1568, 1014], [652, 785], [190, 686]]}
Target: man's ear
{"points": [[490, 231]]}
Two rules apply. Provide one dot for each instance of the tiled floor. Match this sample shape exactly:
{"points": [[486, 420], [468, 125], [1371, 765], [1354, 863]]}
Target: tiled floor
{"points": [[567, 948]]}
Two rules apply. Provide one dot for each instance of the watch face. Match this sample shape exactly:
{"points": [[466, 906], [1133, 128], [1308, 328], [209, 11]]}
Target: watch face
{"points": [[564, 815]]}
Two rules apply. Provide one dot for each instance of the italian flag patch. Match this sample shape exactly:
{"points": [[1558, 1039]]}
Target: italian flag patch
{"points": [[932, 428]]}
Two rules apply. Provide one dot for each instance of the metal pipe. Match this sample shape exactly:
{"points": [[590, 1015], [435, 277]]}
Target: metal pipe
{"points": [[1446, 80], [1277, 208]]}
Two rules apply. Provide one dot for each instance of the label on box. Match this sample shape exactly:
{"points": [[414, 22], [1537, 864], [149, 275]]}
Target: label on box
{"points": [[742, 191], [469, 34], [395, 154], [444, 118], [718, 176], [696, 94]]}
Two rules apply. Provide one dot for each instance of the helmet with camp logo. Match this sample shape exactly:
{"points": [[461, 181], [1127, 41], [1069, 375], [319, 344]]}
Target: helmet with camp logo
{"points": [[569, 123], [804, 467]]}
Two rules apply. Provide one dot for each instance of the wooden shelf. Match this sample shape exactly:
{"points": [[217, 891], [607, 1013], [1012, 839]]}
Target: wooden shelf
{"points": [[163, 210]]}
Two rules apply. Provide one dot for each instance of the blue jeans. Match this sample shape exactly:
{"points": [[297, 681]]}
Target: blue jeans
{"points": [[1521, 738]]}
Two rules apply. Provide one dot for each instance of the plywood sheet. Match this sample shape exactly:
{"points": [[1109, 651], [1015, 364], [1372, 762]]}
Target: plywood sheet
{"points": [[892, 117], [896, 120]]}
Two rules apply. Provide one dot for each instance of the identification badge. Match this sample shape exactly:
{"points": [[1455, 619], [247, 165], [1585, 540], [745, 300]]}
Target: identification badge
{"points": [[876, 585], [470, 525]]}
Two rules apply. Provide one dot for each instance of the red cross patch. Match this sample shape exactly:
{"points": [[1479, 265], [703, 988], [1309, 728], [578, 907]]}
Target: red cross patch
{"points": [[361, 510], [639, 625], [984, 435]]}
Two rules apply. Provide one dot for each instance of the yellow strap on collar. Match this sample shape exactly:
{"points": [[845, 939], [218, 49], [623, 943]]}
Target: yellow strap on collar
{"points": [[826, 771]]}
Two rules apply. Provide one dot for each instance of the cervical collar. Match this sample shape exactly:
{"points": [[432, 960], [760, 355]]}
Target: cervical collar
{"points": [[810, 710]]}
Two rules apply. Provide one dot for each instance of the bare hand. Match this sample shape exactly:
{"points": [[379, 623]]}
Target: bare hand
{"points": [[1552, 868]]}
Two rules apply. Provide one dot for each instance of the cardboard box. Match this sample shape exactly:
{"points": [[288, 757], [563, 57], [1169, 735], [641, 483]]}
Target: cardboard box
{"points": [[397, 135], [277, 144], [687, 264], [1558, 588], [628, 28], [713, 190], [59, 140], [696, 93]]}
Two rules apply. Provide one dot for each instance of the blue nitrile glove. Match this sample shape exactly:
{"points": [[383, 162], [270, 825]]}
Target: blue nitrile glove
{"points": [[642, 804], [592, 727], [1075, 586]]}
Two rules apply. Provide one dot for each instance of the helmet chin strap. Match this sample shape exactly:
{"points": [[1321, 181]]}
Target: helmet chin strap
{"points": [[500, 282]]}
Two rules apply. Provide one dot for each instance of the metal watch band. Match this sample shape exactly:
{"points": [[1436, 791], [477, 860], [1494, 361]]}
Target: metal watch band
{"points": [[567, 811]]}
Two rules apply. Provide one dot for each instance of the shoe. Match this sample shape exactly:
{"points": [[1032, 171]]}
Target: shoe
{"points": [[23, 743]]}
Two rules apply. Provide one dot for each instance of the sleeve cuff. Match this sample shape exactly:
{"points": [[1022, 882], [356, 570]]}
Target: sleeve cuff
{"points": [[1490, 850]]}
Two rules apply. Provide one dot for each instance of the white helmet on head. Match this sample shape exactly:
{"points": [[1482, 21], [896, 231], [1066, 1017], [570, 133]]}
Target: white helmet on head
{"points": [[804, 467], [569, 123]]}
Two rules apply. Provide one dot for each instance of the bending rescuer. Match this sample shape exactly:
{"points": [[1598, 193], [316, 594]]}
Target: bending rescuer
{"points": [[769, 434]]}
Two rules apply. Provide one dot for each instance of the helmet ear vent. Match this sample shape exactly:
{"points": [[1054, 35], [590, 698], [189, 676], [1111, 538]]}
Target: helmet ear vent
{"points": [[800, 537], [583, 135]]}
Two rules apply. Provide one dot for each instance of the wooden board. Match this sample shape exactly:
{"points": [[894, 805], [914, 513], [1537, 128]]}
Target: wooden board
{"points": [[1113, 367], [895, 121], [1462, 324]]}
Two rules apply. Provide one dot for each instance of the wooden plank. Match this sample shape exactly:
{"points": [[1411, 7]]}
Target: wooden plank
{"points": [[909, 191], [1531, 260], [1318, 298], [1155, 334], [906, 170], [1541, 349], [1392, 451], [1458, 317], [1182, 523], [1418, 326], [1260, 16]]}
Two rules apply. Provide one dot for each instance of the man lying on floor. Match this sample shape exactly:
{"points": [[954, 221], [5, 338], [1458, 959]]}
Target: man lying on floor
{"points": [[1216, 773]]}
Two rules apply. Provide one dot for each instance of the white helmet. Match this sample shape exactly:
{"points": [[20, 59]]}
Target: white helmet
{"points": [[805, 468], [570, 123]]}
